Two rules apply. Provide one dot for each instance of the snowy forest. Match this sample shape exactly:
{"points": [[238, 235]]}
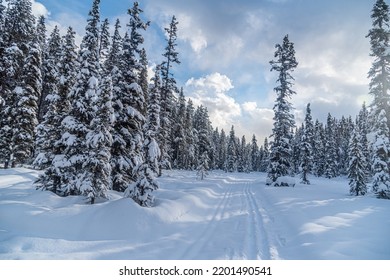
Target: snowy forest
{"points": [[92, 120]]}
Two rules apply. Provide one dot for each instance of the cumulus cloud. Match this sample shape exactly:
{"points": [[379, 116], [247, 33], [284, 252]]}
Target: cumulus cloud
{"points": [[212, 92], [38, 9]]}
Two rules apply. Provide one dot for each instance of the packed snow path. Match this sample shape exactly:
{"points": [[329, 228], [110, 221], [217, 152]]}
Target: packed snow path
{"points": [[225, 216]]}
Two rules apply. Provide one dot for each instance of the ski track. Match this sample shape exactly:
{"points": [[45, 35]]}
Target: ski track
{"points": [[251, 222], [210, 229]]}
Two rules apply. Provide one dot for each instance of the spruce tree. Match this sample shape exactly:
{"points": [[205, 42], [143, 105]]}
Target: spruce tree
{"points": [[51, 156], [190, 135], [231, 157], [168, 90], [254, 154], [104, 41], [306, 147], [179, 145], [381, 157], [357, 170], [330, 167], [281, 150], [379, 73], [77, 125], [129, 103], [99, 140]]}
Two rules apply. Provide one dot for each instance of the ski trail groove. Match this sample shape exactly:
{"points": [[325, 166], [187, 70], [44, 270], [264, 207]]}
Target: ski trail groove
{"points": [[207, 235], [260, 248]]}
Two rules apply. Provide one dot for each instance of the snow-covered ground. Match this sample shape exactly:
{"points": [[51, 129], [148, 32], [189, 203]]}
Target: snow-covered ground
{"points": [[225, 216]]}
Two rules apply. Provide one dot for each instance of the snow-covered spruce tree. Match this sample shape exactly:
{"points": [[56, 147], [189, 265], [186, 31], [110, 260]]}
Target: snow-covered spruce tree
{"points": [[231, 155], [104, 41], [168, 89], [364, 128], [306, 147], [141, 190], [112, 63], [191, 136], [51, 128], [379, 73], [357, 170], [99, 140], [77, 125], [48, 102], [153, 123], [144, 79], [254, 154], [318, 149], [142, 146], [179, 139], [381, 157], [203, 166], [26, 111], [50, 68], [129, 103], [330, 160], [203, 127], [18, 33], [265, 159], [280, 154], [223, 150]]}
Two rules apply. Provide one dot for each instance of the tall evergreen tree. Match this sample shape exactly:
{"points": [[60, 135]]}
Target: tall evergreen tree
{"points": [[381, 158], [50, 130], [357, 170], [330, 168], [179, 142], [104, 41], [168, 90], [231, 156], [17, 124], [77, 125], [129, 103], [306, 147], [379, 73], [280, 157]]}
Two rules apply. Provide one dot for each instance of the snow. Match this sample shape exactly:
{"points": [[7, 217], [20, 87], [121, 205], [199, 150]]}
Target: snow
{"points": [[224, 216]]}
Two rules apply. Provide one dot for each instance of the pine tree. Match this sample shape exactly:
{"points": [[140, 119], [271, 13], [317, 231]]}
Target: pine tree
{"points": [[357, 170], [280, 156], [169, 88]]}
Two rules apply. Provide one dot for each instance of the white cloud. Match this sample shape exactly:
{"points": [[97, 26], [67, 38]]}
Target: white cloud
{"points": [[189, 32], [38, 9], [211, 91]]}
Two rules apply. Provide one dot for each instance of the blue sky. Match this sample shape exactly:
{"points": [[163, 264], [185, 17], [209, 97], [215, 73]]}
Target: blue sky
{"points": [[225, 47]]}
